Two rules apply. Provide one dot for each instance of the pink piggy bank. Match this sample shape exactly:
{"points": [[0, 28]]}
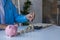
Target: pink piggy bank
{"points": [[11, 30]]}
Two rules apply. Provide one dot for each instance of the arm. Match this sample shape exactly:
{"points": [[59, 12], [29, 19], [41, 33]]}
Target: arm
{"points": [[19, 18]]}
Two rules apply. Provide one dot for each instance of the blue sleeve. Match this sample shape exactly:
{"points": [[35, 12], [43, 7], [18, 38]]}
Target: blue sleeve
{"points": [[19, 18]]}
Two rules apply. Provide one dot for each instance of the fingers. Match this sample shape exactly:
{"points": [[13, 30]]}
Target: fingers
{"points": [[31, 16]]}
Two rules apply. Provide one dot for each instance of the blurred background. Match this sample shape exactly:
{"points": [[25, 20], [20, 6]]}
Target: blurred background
{"points": [[36, 7], [46, 11], [51, 11]]}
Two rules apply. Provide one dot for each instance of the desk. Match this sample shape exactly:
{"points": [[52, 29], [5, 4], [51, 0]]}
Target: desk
{"points": [[50, 33]]}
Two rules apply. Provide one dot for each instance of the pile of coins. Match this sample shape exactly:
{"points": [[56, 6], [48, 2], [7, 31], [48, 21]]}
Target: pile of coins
{"points": [[28, 29]]}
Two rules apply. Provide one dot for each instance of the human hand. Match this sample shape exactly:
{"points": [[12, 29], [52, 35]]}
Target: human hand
{"points": [[30, 16]]}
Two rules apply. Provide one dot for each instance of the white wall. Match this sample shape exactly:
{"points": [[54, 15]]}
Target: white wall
{"points": [[37, 8]]}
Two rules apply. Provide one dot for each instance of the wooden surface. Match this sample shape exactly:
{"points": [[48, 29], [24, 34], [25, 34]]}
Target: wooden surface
{"points": [[2, 26]]}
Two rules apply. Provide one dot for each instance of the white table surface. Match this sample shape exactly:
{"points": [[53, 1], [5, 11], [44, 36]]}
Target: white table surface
{"points": [[50, 33]]}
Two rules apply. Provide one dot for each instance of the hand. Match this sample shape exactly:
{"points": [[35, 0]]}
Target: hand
{"points": [[30, 16]]}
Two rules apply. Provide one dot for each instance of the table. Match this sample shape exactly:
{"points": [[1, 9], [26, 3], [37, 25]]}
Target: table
{"points": [[49, 33]]}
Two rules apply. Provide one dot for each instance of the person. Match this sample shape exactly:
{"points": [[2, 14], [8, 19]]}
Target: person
{"points": [[9, 14]]}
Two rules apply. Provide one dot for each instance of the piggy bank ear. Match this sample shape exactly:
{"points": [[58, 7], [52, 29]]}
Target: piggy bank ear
{"points": [[9, 27], [16, 25]]}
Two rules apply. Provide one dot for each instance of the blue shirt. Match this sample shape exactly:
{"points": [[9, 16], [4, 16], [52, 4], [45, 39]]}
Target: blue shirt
{"points": [[2, 12], [11, 13]]}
